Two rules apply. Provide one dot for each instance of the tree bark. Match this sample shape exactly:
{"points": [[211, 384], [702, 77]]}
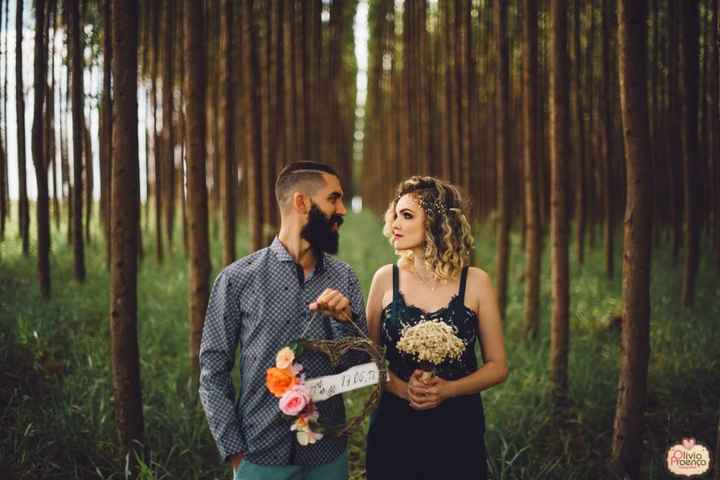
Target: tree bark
{"points": [[226, 126], [502, 150], [607, 143], [530, 159], [692, 186], [76, 50], [581, 145], [4, 184], [635, 341], [23, 205], [198, 235], [157, 147], [40, 159], [168, 110], [559, 154], [253, 126], [51, 143], [267, 126], [89, 176], [124, 230], [106, 136]]}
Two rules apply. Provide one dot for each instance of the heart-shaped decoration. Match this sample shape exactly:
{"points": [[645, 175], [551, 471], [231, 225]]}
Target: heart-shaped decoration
{"points": [[335, 349], [688, 443]]}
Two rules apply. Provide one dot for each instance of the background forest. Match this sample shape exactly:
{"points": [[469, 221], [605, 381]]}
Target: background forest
{"points": [[139, 143]]}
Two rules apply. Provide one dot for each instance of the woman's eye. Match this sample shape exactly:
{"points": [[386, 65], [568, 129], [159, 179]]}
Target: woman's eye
{"points": [[407, 216]]}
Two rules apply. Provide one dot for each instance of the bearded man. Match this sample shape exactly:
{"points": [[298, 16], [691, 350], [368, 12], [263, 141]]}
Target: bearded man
{"points": [[260, 303]]}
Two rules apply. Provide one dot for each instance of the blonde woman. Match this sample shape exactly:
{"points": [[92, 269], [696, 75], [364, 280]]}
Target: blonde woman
{"points": [[432, 426]]}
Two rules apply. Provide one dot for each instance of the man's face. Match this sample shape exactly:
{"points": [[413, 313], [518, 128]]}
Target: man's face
{"points": [[325, 217]]}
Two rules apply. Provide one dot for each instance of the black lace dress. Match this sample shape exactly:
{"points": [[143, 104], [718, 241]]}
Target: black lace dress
{"points": [[444, 442]]}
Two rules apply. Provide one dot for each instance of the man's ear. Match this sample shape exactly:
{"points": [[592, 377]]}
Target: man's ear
{"points": [[299, 201]]}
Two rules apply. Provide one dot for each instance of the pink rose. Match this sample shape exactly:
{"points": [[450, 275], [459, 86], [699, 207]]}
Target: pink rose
{"points": [[294, 400]]}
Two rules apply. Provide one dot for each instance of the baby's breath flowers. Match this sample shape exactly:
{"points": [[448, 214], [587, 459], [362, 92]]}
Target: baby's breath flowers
{"points": [[431, 342]]}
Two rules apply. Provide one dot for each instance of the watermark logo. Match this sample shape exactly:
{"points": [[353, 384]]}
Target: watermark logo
{"points": [[688, 458]]}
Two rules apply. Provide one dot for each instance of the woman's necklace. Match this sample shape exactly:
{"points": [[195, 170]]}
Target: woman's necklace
{"points": [[427, 281]]}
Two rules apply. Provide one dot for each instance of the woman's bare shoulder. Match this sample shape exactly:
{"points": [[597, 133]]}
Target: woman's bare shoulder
{"points": [[383, 274], [479, 283], [478, 276]]}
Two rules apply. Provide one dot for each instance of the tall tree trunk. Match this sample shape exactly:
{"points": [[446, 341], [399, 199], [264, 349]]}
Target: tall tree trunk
{"points": [[446, 170], [226, 125], [581, 145], [40, 159], [253, 125], [106, 135], [716, 153], [530, 159], [76, 50], [125, 215], [6, 163], [459, 61], [502, 150], [157, 147], [51, 143], [591, 196], [198, 238], [280, 79], [691, 150], [181, 186], [559, 143], [607, 142], [4, 184], [267, 128], [23, 205], [168, 108], [675, 136], [89, 176], [635, 342], [64, 148]]}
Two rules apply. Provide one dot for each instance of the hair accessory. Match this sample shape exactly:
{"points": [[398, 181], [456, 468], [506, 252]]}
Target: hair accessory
{"points": [[436, 206]]}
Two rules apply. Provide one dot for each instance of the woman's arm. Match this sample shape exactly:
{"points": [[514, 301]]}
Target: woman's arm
{"points": [[494, 370], [381, 282]]}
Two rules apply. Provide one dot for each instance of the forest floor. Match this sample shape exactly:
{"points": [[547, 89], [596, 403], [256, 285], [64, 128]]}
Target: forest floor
{"points": [[56, 406]]}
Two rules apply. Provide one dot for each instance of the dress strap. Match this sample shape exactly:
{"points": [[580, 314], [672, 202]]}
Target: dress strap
{"points": [[463, 283], [396, 293]]}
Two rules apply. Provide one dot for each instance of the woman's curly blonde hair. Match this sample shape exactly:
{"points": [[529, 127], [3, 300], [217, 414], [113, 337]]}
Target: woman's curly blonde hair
{"points": [[449, 241]]}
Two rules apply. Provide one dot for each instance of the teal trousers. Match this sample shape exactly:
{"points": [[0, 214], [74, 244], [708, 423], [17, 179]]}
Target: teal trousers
{"points": [[335, 470]]}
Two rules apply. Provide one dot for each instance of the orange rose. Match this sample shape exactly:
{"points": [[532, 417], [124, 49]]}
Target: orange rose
{"points": [[279, 380]]}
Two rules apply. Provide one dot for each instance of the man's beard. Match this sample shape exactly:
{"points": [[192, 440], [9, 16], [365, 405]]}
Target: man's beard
{"points": [[319, 233]]}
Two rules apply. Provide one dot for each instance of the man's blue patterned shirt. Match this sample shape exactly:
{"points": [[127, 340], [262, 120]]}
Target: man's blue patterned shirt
{"points": [[259, 304]]}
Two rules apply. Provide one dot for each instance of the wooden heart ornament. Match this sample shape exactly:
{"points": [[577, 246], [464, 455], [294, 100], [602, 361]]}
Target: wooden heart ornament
{"points": [[298, 395]]}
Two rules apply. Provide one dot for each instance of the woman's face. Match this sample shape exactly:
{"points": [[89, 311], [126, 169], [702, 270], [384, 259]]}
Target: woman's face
{"points": [[408, 228]]}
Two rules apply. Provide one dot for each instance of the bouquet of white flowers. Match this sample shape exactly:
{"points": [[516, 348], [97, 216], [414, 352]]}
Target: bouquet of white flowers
{"points": [[430, 342]]}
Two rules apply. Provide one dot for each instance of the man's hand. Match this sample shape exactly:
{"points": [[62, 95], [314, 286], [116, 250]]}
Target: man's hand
{"points": [[236, 459], [333, 303]]}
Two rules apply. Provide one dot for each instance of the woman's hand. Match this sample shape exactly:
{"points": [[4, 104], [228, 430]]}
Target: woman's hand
{"points": [[424, 393]]}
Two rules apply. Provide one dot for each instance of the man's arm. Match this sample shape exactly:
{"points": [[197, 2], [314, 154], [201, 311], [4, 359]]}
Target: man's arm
{"points": [[221, 334], [357, 304]]}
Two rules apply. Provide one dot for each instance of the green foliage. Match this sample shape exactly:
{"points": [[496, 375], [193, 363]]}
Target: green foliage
{"points": [[57, 410]]}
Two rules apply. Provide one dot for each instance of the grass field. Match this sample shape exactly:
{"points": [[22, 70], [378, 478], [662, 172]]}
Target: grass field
{"points": [[56, 406]]}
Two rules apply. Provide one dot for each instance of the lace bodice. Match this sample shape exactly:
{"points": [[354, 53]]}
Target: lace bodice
{"points": [[398, 314]]}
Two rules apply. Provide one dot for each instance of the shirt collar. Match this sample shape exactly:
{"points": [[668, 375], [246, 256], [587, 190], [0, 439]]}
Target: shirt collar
{"points": [[282, 255]]}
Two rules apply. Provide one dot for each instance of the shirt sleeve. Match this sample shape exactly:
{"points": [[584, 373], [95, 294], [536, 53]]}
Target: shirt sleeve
{"points": [[357, 304], [220, 338]]}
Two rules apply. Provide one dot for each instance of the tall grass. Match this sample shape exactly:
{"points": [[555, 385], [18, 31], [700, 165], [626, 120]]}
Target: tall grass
{"points": [[57, 410]]}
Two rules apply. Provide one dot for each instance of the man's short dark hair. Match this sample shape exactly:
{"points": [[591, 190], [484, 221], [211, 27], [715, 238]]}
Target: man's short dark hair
{"points": [[305, 177]]}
